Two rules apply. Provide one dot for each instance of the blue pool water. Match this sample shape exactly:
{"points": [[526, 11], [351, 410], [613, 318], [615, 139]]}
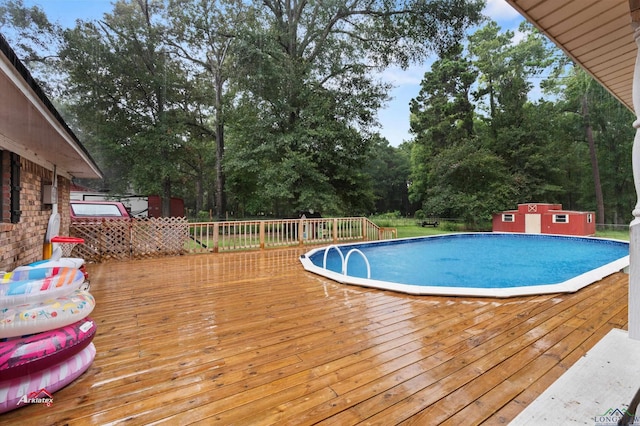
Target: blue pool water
{"points": [[488, 260]]}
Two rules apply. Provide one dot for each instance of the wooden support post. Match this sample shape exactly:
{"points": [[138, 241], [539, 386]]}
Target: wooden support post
{"points": [[262, 234], [363, 225], [301, 235], [216, 231], [634, 229], [335, 230]]}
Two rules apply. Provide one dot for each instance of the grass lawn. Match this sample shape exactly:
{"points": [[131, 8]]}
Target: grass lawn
{"points": [[617, 235], [407, 231], [410, 228]]}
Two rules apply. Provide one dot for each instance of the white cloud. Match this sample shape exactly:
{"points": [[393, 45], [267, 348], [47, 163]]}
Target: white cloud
{"points": [[399, 77], [500, 10]]}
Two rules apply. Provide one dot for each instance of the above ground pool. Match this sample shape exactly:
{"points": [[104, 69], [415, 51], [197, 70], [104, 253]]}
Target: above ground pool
{"points": [[478, 264]]}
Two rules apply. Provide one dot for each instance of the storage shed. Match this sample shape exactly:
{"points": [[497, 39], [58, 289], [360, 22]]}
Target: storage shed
{"points": [[540, 218]]}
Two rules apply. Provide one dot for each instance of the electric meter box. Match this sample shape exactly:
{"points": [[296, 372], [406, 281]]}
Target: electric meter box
{"points": [[49, 194]]}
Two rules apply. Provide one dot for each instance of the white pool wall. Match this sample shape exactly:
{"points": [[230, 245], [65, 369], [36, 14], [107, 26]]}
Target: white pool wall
{"points": [[569, 286]]}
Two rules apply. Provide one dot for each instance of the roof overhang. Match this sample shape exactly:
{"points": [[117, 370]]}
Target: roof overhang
{"points": [[31, 127], [596, 34]]}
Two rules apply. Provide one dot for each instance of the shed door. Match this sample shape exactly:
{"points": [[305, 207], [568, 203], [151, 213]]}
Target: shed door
{"points": [[533, 223]]}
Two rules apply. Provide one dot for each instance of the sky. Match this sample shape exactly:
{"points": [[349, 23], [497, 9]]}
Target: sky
{"points": [[393, 118]]}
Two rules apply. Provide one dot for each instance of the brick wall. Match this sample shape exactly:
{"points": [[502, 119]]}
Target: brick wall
{"points": [[21, 243]]}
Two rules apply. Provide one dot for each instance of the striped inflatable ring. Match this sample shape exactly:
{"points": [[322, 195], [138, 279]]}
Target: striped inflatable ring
{"points": [[33, 318], [33, 285], [15, 393], [20, 356], [64, 262]]}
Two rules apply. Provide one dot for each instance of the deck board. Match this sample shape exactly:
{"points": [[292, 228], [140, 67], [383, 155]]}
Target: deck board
{"points": [[251, 338]]}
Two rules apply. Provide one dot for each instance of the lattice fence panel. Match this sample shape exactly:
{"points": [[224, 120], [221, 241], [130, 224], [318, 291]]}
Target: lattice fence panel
{"points": [[162, 236], [118, 239]]}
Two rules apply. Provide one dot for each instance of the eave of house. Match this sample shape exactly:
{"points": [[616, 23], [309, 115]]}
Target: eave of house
{"points": [[596, 34], [31, 127]]}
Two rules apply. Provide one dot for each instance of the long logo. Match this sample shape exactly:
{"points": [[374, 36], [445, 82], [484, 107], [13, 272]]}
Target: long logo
{"points": [[613, 416]]}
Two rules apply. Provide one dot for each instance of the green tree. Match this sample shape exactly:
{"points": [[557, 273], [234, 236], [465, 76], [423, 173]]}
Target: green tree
{"points": [[129, 95], [153, 83], [204, 34], [614, 153], [506, 70], [388, 169], [35, 39], [442, 120], [309, 74], [442, 113], [602, 131], [468, 182]]}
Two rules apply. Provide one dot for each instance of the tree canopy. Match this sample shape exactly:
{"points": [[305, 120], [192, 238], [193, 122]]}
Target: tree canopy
{"points": [[483, 145], [269, 107], [279, 96]]}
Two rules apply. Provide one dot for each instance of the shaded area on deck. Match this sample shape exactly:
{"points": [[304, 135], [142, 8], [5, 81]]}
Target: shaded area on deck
{"points": [[251, 338]]}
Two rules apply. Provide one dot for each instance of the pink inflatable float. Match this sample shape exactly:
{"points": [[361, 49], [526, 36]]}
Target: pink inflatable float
{"points": [[20, 356], [20, 320], [15, 393]]}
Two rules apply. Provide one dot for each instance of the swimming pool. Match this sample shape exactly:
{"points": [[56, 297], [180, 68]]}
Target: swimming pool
{"points": [[473, 264]]}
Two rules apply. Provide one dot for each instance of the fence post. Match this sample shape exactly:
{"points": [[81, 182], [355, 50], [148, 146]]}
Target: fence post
{"points": [[365, 236], [216, 231], [335, 230], [262, 234], [301, 232]]}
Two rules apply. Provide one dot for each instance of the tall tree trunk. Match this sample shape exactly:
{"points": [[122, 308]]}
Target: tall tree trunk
{"points": [[221, 202], [199, 194], [492, 109], [219, 79], [166, 197], [594, 162]]}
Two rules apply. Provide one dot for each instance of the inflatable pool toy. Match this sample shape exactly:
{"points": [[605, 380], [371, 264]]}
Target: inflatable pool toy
{"points": [[20, 356], [63, 262], [31, 318], [37, 284], [31, 285], [18, 392]]}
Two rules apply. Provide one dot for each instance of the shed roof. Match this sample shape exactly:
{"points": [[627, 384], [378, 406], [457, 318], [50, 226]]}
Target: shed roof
{"points": [[31, 126]]}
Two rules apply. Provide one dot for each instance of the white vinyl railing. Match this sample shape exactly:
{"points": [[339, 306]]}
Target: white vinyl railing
{"points": [[260, 234]]}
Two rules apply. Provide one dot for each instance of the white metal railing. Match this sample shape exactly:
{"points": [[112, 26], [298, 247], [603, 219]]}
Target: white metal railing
{"points": [[345, 263], [261, 234]]}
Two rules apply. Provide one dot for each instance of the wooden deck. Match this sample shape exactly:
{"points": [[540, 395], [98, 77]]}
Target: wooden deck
{"points": [[252, 339]]}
